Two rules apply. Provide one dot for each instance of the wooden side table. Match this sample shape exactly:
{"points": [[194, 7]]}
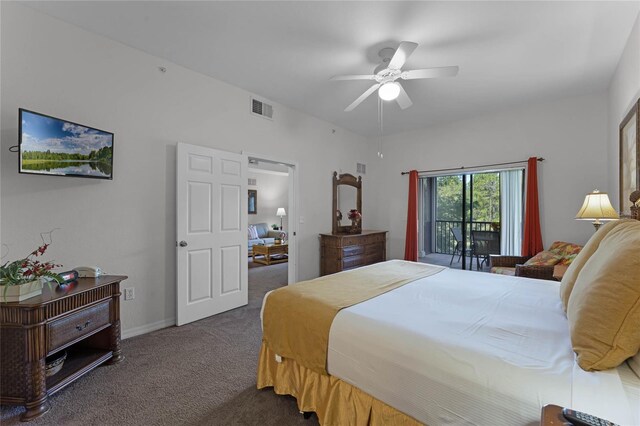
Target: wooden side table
{"points": [[552, 416], [82, 318]]}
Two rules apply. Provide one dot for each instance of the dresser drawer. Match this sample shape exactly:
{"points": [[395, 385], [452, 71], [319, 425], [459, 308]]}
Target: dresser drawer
{"points": [[74, 326], [353, 261], [374, 248], [352, 250], [361, 260]]}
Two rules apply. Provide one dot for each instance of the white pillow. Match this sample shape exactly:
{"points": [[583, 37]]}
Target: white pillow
{"points": [[634, 363], [253, 232]]}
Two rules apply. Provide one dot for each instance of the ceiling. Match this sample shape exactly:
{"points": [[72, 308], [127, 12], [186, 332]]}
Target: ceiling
{"points": [[509, 53]]}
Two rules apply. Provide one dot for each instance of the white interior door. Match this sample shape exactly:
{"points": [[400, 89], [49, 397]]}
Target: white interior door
{"points": [[211, 233]]}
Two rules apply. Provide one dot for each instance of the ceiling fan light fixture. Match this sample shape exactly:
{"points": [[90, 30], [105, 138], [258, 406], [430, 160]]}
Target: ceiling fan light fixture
{"points": [[389, 91]]}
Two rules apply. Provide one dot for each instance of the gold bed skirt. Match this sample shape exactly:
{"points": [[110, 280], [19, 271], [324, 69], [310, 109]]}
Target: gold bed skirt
{"points": [[336, 403]]}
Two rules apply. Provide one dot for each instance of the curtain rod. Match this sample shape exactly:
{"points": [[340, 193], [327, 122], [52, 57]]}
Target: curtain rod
{"points": [[473, 167]]}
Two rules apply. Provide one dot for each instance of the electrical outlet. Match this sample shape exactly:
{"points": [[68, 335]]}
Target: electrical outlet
{"points": [[129, 293], [302, 219]]}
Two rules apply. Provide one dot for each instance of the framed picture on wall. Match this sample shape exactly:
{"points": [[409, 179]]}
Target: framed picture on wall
{"points": [[629, 156], [253, 201]]}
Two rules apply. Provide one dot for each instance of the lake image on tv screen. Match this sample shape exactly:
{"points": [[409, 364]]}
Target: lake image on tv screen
{"points": [[56, 147]]}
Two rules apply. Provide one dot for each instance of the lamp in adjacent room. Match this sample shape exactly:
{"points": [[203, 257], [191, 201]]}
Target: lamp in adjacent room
{"points": [[280, 213], [597, 207]]}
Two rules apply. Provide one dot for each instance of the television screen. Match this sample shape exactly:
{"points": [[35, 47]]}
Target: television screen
{"points": [[51, 146]]}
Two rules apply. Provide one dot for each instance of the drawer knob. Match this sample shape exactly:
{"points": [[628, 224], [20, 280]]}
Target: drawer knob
{"points": [[81, 327]]}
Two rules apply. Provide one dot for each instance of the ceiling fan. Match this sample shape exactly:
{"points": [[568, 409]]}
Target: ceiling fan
{"points": [[386, 74]]}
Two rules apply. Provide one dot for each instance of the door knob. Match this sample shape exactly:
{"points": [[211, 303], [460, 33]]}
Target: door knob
{"points": [[183, 243]]}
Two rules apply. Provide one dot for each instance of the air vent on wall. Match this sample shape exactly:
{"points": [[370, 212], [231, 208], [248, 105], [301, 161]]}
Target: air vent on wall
{"points": [[262, 109], [361, 168], [252, 182]]}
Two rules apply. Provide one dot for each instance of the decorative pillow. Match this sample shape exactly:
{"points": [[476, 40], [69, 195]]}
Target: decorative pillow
{"points": [[544, 258], [253, 232], [567, 251], [570, 276], [604, 306]]}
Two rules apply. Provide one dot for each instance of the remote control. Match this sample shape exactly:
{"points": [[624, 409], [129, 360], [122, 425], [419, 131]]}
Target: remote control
{"points": [[578, 418]]}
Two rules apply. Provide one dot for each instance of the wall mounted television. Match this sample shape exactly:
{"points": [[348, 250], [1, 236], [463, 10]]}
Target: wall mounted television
{"points": [[52, 146]]}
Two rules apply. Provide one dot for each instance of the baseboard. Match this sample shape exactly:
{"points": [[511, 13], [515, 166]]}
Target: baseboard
{"points": [[148, 328]]}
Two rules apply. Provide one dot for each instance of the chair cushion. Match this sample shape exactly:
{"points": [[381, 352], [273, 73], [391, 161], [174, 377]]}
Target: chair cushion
{"points": [[567, 251], [570, 276], [544, 258], [503, 270], [604, 305]]}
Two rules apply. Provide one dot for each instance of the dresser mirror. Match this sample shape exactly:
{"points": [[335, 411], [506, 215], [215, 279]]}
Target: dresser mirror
{"points": [[347, 195]]}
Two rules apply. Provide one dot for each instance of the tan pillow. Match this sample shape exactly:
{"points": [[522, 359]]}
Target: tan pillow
{"points": [[570, 276], [604, 306]]}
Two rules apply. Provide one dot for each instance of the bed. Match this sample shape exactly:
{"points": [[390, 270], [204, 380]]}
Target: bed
{"points": [[452, 347]]}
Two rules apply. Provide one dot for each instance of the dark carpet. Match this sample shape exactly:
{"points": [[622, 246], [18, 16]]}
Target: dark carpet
{"points": [[203, 373]]}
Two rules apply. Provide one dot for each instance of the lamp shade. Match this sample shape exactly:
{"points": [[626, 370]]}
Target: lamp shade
{"points": [[597, 206], [280, 212]]}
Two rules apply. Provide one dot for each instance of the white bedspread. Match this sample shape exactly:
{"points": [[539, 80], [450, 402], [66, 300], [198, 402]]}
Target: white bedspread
{"points": [[463, 347]]}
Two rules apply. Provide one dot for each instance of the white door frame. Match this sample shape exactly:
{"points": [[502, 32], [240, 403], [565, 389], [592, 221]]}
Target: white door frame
{"points": [[292, 222]]}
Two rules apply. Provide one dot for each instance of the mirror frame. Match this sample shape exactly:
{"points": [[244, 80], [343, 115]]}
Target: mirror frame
{"points": [[349, 180]]}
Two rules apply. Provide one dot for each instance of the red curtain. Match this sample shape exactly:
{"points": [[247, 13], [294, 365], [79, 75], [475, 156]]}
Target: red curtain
{"points": [[532, 241], [411, 241]]}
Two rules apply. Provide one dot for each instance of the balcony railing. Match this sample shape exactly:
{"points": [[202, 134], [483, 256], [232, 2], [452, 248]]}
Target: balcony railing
{"points": [[446, 243]]}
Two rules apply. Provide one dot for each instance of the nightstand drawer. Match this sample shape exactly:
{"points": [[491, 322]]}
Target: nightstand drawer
{"points": [[74, 326]]}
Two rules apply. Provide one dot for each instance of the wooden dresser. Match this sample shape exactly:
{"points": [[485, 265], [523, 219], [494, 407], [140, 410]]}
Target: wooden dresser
{"points": [[83, 319], [339, 252]]}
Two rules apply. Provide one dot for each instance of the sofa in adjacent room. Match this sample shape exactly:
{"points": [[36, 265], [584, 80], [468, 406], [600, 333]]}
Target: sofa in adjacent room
{"points": [[262, 235]]}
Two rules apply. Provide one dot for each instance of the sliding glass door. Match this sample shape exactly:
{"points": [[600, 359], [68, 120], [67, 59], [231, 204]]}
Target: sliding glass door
{"points": [[463, 215]]}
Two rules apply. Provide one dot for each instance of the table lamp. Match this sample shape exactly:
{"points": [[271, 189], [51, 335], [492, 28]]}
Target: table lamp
{"points": [[597, 207], [280, 213]]}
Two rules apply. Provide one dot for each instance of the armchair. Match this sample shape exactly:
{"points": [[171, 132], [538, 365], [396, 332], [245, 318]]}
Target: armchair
{"points": [[540, 266], [515, 265]]}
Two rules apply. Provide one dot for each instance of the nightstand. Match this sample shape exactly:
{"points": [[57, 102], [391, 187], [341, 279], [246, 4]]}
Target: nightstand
{"points": [[552, 416]]}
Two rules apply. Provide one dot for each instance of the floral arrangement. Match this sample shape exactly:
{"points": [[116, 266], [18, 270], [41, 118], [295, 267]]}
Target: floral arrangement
{"points": [[354, 214], [28, 269], [275, 227]]}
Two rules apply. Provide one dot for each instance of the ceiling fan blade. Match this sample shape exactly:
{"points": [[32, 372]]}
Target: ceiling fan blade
{"points": [[403, 52], [353, 77], [403, 99], [430, 73], [362, 97]]}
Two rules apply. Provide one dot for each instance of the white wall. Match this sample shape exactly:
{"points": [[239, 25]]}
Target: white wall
{"points": [[570, 134], [273, 192], [624, 91], [127, 225]]}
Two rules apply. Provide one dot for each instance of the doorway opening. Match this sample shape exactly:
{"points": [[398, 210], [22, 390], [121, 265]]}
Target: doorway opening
{"points": [[466, 218], [271, 244]]}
